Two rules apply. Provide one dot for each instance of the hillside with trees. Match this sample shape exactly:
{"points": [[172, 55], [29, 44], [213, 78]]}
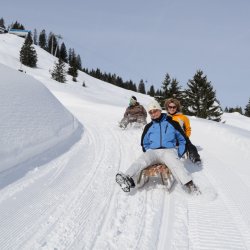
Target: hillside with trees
{"points": [[198, 99]]}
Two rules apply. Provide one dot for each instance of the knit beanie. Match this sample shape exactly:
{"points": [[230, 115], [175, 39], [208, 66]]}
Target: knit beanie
{"points": [[134, 98], [132, 101], [154, 105]]}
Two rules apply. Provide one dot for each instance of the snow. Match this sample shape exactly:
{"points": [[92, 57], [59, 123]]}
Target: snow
{"points": [[237, 120], [60, 149], [22, 98]]}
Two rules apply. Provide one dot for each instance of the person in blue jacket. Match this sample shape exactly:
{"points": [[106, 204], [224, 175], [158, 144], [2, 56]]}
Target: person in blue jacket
{"points": [[158, 143]]}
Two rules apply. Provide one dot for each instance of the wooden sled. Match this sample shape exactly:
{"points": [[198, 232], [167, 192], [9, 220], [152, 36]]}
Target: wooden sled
{"points": [[156, 170]]}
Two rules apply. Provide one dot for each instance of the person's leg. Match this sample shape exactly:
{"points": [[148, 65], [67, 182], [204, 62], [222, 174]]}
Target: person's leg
{"points": [[125, 180], [124, 122], [141, 120], [146, 159], [170, 158], [193, 153]]}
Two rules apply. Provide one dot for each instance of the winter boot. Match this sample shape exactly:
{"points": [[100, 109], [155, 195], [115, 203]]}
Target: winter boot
{"points": [[197, 160], [125, 182], [195, 157], [192, 188]]}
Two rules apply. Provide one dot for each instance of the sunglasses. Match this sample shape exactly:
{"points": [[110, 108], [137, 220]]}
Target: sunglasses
{"points": [[172, 107]]}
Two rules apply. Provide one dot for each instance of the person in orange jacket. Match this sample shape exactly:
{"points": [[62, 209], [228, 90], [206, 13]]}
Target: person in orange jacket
{"points": [[173, 108]]}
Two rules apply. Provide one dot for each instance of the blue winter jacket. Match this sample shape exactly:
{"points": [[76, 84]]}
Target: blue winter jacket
{"points": [[162, 133]]}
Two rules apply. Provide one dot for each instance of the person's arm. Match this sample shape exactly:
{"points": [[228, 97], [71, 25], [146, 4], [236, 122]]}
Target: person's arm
{"points": [[182, 143], [181, 137], [187, 126], [126, 112], [192, 150], [144, 138], [144, 112]]}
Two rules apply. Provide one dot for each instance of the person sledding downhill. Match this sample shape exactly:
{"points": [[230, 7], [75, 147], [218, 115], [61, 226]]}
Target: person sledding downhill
{"points": [[135, 113], [158, 142], [173, 108]]}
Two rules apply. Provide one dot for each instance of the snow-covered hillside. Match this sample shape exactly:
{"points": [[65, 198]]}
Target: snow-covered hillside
{"points": [[32, 119], [60, 149]]}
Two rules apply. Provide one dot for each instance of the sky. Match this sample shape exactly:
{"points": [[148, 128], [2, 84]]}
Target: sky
{"points": [[61, 147], [146, 39]]}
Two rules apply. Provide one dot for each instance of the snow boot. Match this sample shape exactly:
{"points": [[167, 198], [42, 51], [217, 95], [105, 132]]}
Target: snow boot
{"points": [[197, 161], [192, 188], [125, 182], [195, 158]]}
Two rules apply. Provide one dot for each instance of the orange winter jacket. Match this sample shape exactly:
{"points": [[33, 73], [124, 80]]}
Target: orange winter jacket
{"points": [[183, 121]]}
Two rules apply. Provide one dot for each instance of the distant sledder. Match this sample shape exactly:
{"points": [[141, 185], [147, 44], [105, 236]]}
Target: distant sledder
{"points": [[158, 141], [134, 114]]}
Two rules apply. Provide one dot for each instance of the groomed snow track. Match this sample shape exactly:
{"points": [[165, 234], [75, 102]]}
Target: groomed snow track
{"points": [[73, 202]]}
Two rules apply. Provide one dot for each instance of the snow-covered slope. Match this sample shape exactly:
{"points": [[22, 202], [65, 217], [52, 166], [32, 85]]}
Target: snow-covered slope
{"points": [[66, 197], [32, 119], [237, 120]]}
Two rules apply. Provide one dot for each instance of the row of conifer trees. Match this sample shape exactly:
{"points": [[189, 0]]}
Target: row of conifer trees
{"points": [[198, 99]]}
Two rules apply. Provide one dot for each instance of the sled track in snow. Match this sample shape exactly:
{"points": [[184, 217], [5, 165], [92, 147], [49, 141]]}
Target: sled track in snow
{"points": [[26, 208], [69, 193], [231, 208], [132, 218], [73, 202], [220, 223], [89, 200]]}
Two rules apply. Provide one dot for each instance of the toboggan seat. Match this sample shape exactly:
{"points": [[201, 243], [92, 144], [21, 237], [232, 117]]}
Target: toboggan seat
{"points": [[156, 170]]}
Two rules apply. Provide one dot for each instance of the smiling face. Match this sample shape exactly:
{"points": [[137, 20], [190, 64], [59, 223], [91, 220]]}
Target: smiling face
{"points": [[155, 113], [171, 108]]}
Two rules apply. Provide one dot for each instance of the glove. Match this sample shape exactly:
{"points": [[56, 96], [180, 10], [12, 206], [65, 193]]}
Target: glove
{"points": [[194, 157]]}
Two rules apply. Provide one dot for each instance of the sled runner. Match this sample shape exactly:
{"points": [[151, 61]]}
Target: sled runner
{"points": [[156, 170]]}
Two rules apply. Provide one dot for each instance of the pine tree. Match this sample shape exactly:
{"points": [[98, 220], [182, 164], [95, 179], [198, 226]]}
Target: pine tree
{"points": [[119, 82], [35, 37], [175, 89], [247, 109], [132, 86], [18, 26], [79, 62], [63, 53], [73, 71], [135, 88], [237, 109], [159, 93], [201, 99], [28, 55], [59, 72], [70, 55], [43, 40], [165, 86], [98, 76], [52, 43], [171, 88], [141, 87], [2, 23], [151, 91]]}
